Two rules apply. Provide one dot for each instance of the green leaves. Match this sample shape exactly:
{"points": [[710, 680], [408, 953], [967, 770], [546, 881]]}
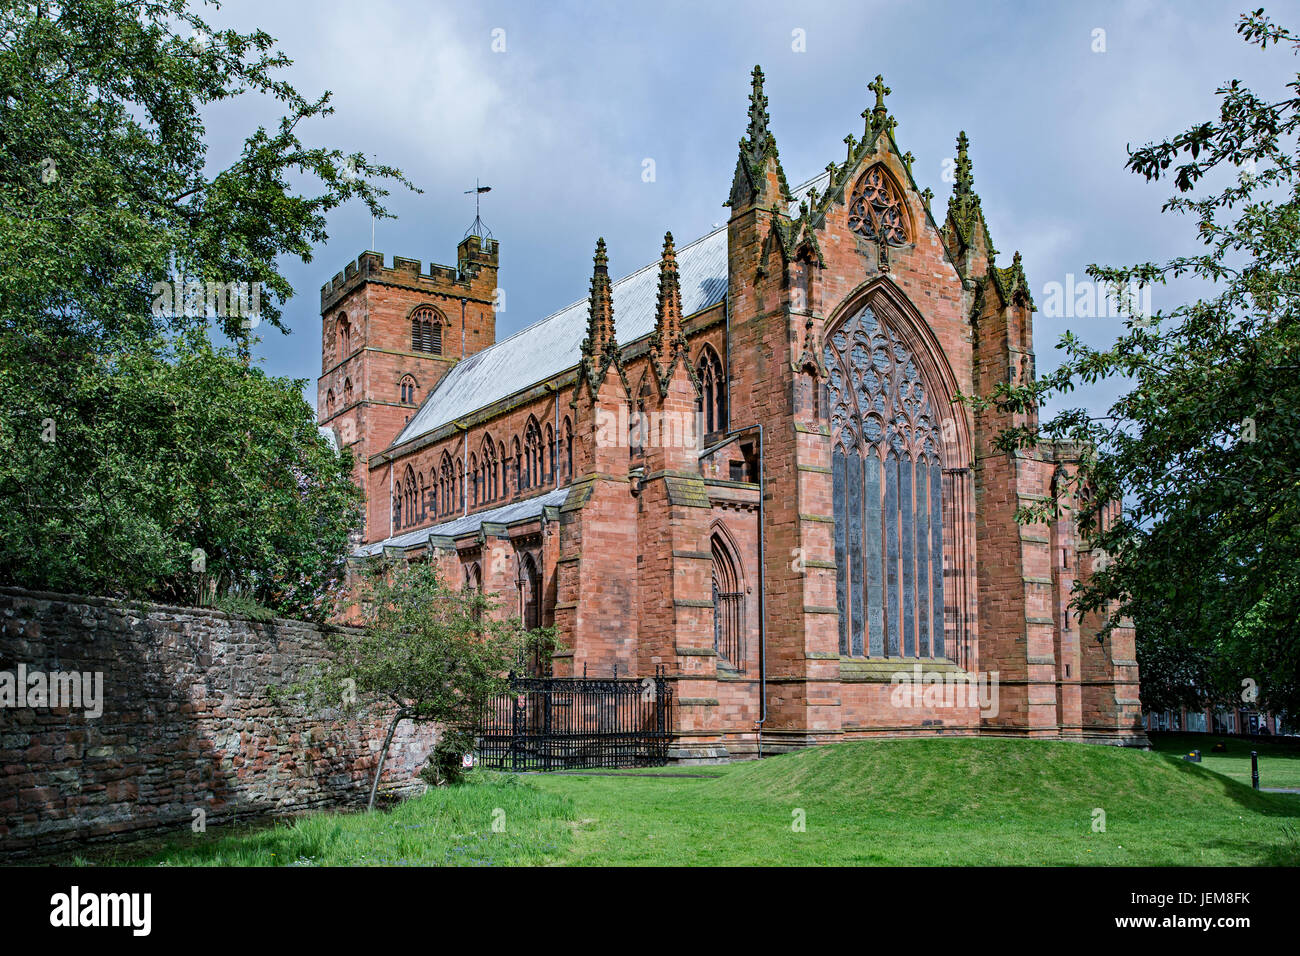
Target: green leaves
{"points": [[175, 473], [431, 651], [136, 459], [1204, 447], [105, 179]]}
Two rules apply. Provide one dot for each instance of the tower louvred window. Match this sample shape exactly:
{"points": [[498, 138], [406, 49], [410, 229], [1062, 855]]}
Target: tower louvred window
{"points": [[876, 209], [426, 331]]}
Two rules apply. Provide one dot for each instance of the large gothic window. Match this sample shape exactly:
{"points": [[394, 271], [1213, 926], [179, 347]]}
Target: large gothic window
{"points": [[876, 208], [887, 480]]}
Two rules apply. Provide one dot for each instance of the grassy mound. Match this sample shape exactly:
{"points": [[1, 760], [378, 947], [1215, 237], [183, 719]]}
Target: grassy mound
{"points": [[935, 801], [938, 778], [922, 801]]}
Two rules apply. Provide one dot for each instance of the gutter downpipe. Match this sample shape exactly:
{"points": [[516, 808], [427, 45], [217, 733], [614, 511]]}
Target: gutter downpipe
{"points": [[762, 596], [762, 563]]}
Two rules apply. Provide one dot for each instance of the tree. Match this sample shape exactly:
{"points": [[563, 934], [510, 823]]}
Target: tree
{"points": [[206, 477], [106, 184], [1204, 448], [428, 652], [122, 240]]}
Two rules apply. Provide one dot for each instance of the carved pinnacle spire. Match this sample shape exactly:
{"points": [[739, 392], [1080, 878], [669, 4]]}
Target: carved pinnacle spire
{"points": [[600, 308], [668, 312], [964, 204], [758, 132], [756, 150], [667, 341], [965, 184]]}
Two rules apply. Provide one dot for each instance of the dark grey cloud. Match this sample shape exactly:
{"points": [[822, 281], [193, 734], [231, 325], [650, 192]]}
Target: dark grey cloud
{"points": [[561, 123]]}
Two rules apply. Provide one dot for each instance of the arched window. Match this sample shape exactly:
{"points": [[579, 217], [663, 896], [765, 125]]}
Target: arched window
{"points": [[548, 469], [474, 585], [408, 498], [515, 457], [329, 402], [426, 330], [728, 606], [713, 392], [489, 466], [876, 208], [446, 484], [532, 454], [529, 582], [344, 337], [473, 479], [568, 449], [347, 392], [397, 505], [407, 388], [460, 484], [887, 494]]}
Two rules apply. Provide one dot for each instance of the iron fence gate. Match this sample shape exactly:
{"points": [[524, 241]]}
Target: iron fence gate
{"points": [[572, 723]]}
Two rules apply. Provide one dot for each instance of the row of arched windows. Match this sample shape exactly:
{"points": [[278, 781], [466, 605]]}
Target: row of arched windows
{"points": [[540, 458], [495, 474]]}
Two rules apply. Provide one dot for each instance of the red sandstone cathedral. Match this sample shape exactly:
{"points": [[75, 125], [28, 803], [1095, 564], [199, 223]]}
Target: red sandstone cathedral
{"points": [[744, 464]]}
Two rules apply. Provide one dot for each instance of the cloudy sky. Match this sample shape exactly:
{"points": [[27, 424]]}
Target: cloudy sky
{"points": [[560, 122]]}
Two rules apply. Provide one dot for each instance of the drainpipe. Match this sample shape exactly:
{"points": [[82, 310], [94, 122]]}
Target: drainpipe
{"points": [[762, 593], [555, 447], [462, 326], [390, 497], [464, 481]]}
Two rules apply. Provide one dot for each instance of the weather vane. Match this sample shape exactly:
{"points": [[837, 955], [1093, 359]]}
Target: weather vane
{"points": [[477, 228]]}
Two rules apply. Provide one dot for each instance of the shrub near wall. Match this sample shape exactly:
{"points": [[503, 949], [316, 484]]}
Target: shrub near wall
{"points": [[187, 725]]}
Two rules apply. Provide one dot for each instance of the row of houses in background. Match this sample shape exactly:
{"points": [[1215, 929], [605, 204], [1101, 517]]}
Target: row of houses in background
{"points": [[1218, 720]]}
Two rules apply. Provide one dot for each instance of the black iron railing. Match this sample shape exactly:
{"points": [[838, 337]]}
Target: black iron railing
{"points": [[559, 723]]}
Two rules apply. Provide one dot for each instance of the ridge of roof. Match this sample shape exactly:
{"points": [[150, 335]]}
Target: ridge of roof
{"points": [[455, 395]]}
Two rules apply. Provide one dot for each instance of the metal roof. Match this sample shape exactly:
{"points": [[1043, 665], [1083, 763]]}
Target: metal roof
{"points": [[466, 524], [552, 346]]}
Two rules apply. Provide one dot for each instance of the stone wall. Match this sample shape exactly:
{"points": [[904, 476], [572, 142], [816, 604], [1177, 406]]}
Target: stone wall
{"points": [[187, 725]]}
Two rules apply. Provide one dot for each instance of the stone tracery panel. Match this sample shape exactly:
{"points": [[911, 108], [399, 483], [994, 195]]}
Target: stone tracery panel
{"points": [[876, 208]]}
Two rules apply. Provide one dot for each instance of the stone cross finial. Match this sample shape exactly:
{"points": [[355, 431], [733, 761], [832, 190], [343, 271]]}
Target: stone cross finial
{"points": [[878, 87]]}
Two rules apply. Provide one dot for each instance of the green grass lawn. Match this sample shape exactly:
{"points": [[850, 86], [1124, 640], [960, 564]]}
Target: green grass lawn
{"points": [[933, 801], [1279, 765]]}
